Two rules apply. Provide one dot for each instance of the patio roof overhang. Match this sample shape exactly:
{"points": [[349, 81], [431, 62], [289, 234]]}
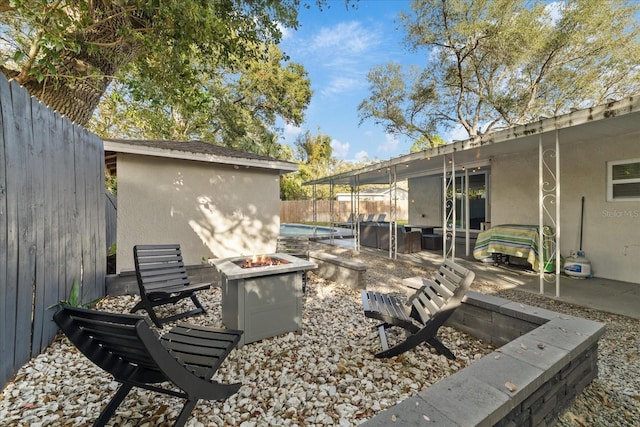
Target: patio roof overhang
{"points": [[600, 122]]}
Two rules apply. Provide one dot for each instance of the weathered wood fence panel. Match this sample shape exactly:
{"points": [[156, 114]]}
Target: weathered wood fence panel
{"points": [[302, 210], [111, 217], [52, 221]]}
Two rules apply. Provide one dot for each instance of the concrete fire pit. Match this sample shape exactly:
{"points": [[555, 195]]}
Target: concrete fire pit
{"points": [[264, 299]]}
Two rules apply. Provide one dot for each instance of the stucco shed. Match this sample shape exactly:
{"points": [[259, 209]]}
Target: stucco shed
{"points": [[214, 201]]}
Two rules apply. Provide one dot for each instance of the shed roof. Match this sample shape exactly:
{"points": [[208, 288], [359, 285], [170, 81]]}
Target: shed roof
{"points": [[192, 150], [613, 119]]}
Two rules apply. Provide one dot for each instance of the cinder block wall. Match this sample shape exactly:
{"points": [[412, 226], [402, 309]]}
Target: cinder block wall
{"points": [[548, 357]]}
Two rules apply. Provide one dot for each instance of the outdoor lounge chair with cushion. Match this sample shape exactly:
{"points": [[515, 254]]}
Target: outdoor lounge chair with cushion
{"points": [[162, 279], [425, 311], [128, 348]]}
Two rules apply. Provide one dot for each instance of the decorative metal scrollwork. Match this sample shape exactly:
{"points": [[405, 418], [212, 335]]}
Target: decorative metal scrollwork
{"points": [[548, 212], [449, 209]]}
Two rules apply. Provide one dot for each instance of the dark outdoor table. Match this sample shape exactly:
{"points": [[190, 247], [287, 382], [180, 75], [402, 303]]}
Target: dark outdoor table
{"points": [[426, 229]]}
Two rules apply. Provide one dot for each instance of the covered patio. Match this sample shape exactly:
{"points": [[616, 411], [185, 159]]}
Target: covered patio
{"points": [[571, 154]]}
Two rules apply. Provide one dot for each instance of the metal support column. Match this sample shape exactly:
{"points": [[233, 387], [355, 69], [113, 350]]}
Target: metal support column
{"points": [[393, 225], [331, 213], [549, 209], [314, 213], [467, 216], [356, 217], [449, 208]]}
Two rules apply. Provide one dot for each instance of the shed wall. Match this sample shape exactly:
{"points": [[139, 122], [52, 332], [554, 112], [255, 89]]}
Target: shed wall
{"points": [[212, 210]]}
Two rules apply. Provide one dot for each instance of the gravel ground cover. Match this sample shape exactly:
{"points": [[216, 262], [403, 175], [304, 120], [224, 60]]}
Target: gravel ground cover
{"points": [[325, 376]]}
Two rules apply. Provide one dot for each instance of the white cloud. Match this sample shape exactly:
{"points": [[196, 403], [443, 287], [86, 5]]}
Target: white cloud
{"points": [[457, 133], [345, 38], [390, 145], [340, 150], [361, 156], [555, 10], [290, 133], [286, 32], [340, 84], [345, 52]]}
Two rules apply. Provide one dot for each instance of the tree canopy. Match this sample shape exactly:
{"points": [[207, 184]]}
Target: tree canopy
{"points": [[493, 64], [66, 53], [314, 154], [235, 109]]}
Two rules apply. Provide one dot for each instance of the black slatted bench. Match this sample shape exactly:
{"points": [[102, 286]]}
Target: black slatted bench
{"points": [[128, 348]]}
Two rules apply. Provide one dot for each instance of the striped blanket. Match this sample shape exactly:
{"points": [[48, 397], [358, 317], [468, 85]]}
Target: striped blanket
{"points": [[520, 241]]}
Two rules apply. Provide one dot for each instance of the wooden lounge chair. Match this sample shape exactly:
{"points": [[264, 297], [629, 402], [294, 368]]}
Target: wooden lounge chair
{"points": [[162, 279], [348, 223], [424, 312], [128, 348]]}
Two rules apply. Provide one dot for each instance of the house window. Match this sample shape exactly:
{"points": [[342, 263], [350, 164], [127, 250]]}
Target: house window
{"points": [[623, 180]]}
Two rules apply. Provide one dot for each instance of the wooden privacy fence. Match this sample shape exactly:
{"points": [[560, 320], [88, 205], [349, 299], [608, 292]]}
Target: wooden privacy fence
{"points": [[52, 228], [302, 210]]}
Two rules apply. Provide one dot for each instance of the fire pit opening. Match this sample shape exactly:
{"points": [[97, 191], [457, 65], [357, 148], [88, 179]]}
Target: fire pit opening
{"points": [[260, 261]]}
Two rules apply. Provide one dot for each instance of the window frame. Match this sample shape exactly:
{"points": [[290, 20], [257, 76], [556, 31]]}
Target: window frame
{"points": [[611, 182]]}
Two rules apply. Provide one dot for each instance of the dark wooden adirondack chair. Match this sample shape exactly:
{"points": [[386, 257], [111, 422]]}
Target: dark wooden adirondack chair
{"points": [[424, 312], [162, 279], [128, 348]]}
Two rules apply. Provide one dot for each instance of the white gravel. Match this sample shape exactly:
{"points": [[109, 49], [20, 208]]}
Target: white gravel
{"points": [[325, 376]]}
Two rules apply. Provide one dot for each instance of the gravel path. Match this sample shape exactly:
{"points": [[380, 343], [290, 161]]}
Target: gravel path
{"points": [[324, 376]]}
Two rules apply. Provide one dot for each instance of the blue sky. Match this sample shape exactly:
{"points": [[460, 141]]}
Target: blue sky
{"points": [[338, 47]]}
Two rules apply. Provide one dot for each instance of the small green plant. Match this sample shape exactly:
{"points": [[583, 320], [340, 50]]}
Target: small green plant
{"points": [[112, 250], [74, 298]]}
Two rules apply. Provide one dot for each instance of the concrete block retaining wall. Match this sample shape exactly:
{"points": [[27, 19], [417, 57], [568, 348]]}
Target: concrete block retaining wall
{"points": [[549, 357], [125, 283], [343, 270], [331, 267]]}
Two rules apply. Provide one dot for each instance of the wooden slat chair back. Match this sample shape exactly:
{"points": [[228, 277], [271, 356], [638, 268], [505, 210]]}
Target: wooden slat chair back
{"points": [[295, 246], [423, 313], [163, 279], [126, 346]]}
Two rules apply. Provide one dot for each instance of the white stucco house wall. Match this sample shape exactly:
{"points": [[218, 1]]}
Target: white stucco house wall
{"points": [[592, 153], [214, 201]]}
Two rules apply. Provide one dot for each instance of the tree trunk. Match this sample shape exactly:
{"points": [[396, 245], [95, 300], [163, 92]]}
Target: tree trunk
{"points": [[77, 103], [82, 78]]}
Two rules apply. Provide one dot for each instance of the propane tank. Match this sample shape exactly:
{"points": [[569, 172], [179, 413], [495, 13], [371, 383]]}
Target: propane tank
{"points": [[577, 265]]}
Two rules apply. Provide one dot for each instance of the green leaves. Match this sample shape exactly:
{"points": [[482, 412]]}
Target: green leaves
{"points": [[75, 297], [93, 42], [196, 101], [498, 63]]}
